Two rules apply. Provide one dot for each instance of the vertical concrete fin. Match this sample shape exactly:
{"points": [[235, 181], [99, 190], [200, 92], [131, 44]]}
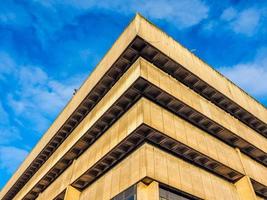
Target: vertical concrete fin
{"points": [[244, 189], [72, 193], [148, 192]]}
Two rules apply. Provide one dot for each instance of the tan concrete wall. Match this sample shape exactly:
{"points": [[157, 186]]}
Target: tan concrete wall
{"points": [[183, 56], [126, 173], [200, 104], [161, 120], [140, 113], [167, 169], [119, 131], [254, 170], [186, 133], [164, 168]]}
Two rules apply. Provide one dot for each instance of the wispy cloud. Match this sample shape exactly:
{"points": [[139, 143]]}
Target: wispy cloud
{"points": [[11, 157], [34, 101], [245, 22], [38, 97], [229, 14], [31, 104], [6, 65], [3, 115], [178, 12], [8, 132], [250, 76]]}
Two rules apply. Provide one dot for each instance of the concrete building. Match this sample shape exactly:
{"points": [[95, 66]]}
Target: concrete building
{"points": [[153, 122]]}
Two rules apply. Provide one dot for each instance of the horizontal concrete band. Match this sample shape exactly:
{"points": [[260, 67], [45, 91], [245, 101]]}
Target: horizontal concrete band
{"points": [[141, 68], [201, 105], [193, 64], [162, 61], [143, 112], [149, 161]]}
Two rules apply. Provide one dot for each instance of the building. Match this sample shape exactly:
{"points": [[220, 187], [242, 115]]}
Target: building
{"points": [[153, 122]]}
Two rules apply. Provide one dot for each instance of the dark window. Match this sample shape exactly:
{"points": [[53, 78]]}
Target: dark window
{"points": [[167, 194], [129, 194]]}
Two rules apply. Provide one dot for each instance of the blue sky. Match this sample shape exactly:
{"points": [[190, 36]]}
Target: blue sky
{"points": [[47, 48]]}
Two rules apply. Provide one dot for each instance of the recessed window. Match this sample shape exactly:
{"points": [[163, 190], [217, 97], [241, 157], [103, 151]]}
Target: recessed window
{"points": [[166, 194], [129, 194]]}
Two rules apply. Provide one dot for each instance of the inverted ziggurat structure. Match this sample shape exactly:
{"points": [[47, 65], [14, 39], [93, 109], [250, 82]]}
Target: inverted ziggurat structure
{"points": [[152, 122]]}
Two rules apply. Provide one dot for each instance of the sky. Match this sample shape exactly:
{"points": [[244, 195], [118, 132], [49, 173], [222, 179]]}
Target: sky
{"points": [[48, 48]]}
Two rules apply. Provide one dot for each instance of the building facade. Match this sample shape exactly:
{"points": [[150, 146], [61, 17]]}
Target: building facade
{"points": [[153, 122]]}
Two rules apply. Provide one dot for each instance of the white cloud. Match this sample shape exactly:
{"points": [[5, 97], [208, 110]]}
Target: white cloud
{"points": [[31, 75], [11, 157], [8, 133], [250, 76], [3, 115], [229, 14], [182, 13], [247, 22], [38, 97], [44, 92], [243, 22], [7, 65]]}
